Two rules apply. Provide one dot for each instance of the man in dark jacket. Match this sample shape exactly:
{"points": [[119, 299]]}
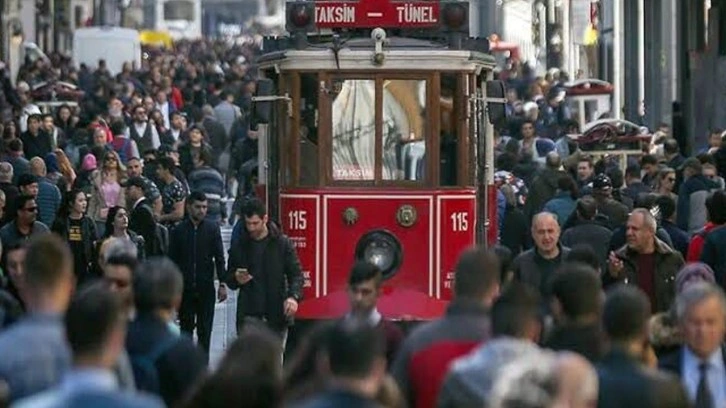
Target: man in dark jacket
{"points": [[587, 230], [602, 191], [141, 218], [357, 366], [536, 266], [264, 266], [577, 306], [645, 261], [176, 364], [691, 211], [679, 238], [624, 380], [544, 186], [195, 245]]}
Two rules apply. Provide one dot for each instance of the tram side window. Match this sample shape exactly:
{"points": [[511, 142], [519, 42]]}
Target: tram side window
{"points": [[309, 130], [404, 129], [354, 130], [448, 120]]}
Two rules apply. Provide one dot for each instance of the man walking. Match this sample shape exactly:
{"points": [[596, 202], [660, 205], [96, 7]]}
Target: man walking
{"points": [[264, 266], [196, 248]]}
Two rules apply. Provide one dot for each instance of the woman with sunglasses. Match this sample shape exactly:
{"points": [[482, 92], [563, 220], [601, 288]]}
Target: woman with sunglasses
{"points": [[666, 182], [79, 231], [106, 190], [117, 226]]}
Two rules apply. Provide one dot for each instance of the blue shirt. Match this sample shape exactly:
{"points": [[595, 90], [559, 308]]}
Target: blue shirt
{"points": [[716, 375], [34, 355]]}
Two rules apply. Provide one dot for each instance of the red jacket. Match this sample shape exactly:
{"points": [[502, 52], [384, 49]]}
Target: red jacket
{"points": [[695, 247], [423, 360]]}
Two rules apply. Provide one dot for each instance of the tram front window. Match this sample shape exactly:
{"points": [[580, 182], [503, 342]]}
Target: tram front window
{"points": [[404, 141], [354, 130]]}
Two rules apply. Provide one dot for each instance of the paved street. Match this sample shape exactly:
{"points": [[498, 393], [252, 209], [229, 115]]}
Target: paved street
{"points": [[223, 330]]}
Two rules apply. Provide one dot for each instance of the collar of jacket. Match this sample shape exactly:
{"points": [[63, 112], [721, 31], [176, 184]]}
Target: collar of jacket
{"points": [[459, 307], [660, 248]]}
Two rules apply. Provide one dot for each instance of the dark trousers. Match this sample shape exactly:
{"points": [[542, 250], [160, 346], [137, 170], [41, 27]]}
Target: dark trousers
{"points": [[197, 311]]}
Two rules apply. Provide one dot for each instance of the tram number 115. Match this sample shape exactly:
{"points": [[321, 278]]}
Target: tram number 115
{"points": [[297, 220], [460, 221]]}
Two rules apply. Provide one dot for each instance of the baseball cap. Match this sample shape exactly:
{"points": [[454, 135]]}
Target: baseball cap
{"points": [[602, 182]]}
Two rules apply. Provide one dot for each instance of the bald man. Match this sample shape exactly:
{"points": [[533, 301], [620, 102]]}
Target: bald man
{"points": [[536, 266], [578, 384]]}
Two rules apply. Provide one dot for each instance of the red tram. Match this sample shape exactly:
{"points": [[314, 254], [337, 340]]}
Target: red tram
{"points": [[377, 146]]}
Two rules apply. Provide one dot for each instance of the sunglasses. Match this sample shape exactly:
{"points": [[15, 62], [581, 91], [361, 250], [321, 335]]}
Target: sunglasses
{"points": [[110, 158], [31, 209]]}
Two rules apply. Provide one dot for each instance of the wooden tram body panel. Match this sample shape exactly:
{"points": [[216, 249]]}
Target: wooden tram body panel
{"points": [[380, 191]]}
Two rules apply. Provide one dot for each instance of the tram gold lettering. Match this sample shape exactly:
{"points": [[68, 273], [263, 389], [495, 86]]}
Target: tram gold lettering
{"points": [[335, 14], [416, 14]]}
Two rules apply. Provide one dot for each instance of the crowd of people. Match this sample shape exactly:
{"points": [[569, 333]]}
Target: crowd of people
{"points": [[605, 288]]}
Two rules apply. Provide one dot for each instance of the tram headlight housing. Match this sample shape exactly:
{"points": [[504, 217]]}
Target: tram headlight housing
{"points": [[455, 16], [382, 249], [300, 17]]}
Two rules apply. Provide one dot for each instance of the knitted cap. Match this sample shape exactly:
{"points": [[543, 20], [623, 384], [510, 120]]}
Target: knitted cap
{"points": [[89, 162], [692, 273]]}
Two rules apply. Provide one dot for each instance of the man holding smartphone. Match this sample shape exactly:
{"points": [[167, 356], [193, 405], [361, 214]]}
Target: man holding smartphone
{"points": [[265, 267]]}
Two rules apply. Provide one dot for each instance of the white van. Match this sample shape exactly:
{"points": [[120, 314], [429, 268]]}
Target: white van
{"points": [[114, 44]]}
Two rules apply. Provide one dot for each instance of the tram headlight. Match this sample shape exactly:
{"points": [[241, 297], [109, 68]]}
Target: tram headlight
{"points": [[300, 17], [382, 249], [455, 16]]}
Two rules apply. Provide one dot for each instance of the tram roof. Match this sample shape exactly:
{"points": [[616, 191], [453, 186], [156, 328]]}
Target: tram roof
{"points": [[401, 53]]}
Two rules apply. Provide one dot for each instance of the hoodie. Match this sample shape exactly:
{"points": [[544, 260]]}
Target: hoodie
{"points": [[472, 377]]}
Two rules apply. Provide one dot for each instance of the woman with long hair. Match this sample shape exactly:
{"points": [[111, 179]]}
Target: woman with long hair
{"points": [[106, 189], [72, 224], [65, 167], [117, 225]]}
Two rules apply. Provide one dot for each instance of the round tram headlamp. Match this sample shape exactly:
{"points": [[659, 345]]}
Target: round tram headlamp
{"points": [[382, 249], [300, 16], [454, 16]]}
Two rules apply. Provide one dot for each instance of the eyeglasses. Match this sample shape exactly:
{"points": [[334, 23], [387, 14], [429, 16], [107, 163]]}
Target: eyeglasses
{"points": [[671, 179], [31, 209], [110, 158]]}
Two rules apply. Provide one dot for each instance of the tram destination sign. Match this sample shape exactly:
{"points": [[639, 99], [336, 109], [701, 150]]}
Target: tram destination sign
{"points": [[376, 13]]}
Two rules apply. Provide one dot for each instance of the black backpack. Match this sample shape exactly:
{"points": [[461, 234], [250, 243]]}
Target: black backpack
{"points": [[146, 375]]}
